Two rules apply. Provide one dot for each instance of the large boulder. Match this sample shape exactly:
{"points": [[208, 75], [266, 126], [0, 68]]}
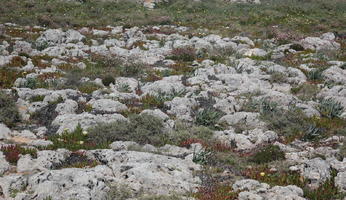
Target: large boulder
{"points": [[156, 174]]}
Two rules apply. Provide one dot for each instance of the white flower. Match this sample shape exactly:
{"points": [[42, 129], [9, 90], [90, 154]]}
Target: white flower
{"points": [[85, 132], [81, 142]]}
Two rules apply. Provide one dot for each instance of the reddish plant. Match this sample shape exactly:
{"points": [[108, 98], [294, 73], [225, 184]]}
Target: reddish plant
{"points": [[218, 192], [11, 152]]}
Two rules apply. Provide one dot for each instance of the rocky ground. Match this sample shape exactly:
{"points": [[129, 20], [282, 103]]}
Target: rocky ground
{"points": [[163, 112]]}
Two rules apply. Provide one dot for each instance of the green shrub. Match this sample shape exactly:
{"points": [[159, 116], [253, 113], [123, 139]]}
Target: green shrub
{"points": [[183, 132], [74, 140], [186, 54], [313, 133], [268, 154], [208, 117], [289, 123], [330, 108], [326, 191], [315, 75], [143, 129], [108, 80], [201, 157], [36, 98], [88, 87], [9, 114], [278, 77], [306, 91]]}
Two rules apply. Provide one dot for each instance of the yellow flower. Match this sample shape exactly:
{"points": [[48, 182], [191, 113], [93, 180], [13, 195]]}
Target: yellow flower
{"points": [[262, 174]]}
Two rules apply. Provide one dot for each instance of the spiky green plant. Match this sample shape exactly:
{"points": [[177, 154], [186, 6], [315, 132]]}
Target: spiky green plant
{"points": [[208, 117], [330, 108]]}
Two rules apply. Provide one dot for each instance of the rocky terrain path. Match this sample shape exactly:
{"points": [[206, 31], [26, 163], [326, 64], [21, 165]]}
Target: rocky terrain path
{"points": [[163, 112]]}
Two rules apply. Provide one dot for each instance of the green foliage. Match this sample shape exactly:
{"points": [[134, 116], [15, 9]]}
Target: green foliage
{"points": [[74, 140], [186, 54], [326, 191], [9, 114], [183, 133], [278, 77], [268, 154], [306, 91], [315, 75], [208, 117], [263, 106], [313, 133], [289, 123], [201, 157], [108, 80], [143, 129], [158, 100], [36, 98], [88, 87], [13, 152], [77, 160], [330, 108]]}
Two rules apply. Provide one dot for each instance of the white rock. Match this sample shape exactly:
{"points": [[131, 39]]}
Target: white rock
{"points": [[4, 131], [4, 165], [107, 106]]}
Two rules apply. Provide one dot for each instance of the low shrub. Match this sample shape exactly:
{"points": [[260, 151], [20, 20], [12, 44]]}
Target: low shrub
{"points": [[278, 77], [74, 140], [268, 154], [9, 114], [315, 75], [143, 129], [306, 91], [13, 152], [77, 160], [208, 117], [88, 87], [330, 108], [36, 98], [107, 80], [186, 54]]}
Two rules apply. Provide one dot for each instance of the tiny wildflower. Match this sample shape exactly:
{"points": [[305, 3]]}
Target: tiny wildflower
{"points": [[81, 142], [85, 132], [262, 174]]}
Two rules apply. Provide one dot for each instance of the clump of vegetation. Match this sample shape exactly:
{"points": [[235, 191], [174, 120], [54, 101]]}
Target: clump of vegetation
{"points": [[208, 117], [305, 91], [278, 77], [216, 192], [330, 108], [9, 114], [143, 129], [88, 87], [289, 123], [186, 54], [8, 76], [327, 190], [12, 152], [77, 160], [74, 140], [273, 178], [158, 100], [313, 133], [201, 157], [108, 80], [268, 154], [315, 75], [36, 98], [263, 106]]}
